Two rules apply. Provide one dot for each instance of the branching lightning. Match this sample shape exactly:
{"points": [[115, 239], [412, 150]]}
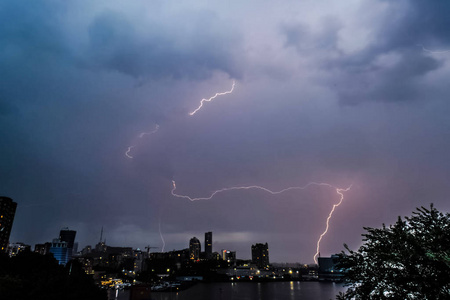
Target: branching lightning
{"points": [[251, 187], [339, 191], [127, 153], [212, 98]]}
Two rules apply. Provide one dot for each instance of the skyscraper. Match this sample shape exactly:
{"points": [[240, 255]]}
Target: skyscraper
{"points": [[208, 244], [260, 255], [194, 249], [68, 236], [7, 212], [60, 251]]}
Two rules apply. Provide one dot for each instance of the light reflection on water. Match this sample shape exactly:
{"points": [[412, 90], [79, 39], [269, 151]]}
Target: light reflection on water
{"points": [[293, 290]]}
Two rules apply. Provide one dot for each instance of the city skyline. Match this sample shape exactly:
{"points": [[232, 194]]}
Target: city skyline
{"points": [[96, 120]]}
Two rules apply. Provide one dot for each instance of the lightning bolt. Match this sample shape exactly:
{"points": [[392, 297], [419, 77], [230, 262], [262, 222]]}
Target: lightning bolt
{"points": [[341, 195], [127, 153], [431, 51], [161, 235], [151, 132], [212, 98], [339, 191]]}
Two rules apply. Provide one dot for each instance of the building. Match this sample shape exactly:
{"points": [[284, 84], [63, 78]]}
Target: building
{"points": [[194, 249], [42, 249], [260, 255], [7, 212], [16, 248], [59, 251], [229, 257], [208, 245], [68, 236], [328, 270]]}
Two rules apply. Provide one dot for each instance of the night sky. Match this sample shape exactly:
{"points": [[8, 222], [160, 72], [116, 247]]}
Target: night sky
{"points": [[340, 92]]}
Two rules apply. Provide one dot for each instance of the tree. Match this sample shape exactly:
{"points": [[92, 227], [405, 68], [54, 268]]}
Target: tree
{"points": [[407, 260], [34, 276]]}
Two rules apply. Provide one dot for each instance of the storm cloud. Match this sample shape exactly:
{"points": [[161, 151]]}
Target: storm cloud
{"points": [[347, 94]]}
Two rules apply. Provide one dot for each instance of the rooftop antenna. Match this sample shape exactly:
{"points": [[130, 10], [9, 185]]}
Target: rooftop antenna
{"points": [[101, 235]]}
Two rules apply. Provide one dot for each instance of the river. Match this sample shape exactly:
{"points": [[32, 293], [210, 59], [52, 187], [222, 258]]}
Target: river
{"points": [[304, 290]]}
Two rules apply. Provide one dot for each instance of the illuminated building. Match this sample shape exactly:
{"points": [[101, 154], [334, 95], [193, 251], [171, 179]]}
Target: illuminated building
{"points": [[229, 257], [16, 248], [208, 244], [194, 249], [59, 251], [260, 255], [7, 212]]}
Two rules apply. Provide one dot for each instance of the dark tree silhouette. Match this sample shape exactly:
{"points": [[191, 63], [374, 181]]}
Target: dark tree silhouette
{"points": [[407, 260], [33, 276]]}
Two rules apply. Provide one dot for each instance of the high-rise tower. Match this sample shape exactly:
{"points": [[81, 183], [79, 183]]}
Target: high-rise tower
{"points": [[208, 244], [7, 212], [67, 236], [260, 255], [194, 249]]}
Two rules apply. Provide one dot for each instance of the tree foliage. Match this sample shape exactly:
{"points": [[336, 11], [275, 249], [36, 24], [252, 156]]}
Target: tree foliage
{"points": [[407, 260], [33, 276]]}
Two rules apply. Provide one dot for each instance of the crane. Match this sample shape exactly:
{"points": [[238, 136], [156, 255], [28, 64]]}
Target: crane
{"points": [[148, 249]]}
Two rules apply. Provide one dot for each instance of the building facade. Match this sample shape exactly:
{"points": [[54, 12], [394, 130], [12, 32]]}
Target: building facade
{"points": [[260, 255], [59, 251], [208, 245], [68, 236], [194, 249], [7, 213]]}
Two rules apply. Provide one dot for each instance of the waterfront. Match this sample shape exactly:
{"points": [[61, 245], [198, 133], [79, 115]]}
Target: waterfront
{"points": [[303, 290]]}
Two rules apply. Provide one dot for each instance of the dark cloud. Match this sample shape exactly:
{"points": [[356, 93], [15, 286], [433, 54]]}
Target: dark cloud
{"points": [[115, 45], [393, 66]]}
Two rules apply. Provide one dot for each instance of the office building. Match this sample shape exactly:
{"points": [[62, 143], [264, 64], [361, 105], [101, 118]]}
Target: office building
{"points": [[260, 255], [194, 249], [59, 251], [229, 257], [328, 270], [42, 249], [208, 244], [16, 248], [68, 236], [7, 212]]}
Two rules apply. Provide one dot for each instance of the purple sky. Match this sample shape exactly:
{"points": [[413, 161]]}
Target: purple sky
{"points": [[326, 91]]}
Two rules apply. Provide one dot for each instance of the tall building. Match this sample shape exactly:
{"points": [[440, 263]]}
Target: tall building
{"points": [[59, 251], [194, 249], [68, 236], [7, 212], [260, 255], [62, 247], [208, 244]]}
